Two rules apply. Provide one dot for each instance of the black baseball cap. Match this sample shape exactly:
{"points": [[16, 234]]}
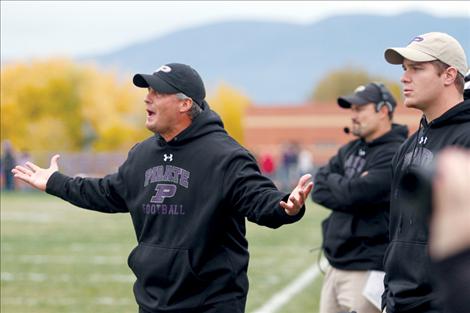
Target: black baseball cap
{"points": [[173, 78], [370, 93]]}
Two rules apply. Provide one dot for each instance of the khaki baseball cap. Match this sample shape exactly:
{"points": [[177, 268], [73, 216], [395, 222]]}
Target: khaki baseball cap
{"points": [[429, 47]]}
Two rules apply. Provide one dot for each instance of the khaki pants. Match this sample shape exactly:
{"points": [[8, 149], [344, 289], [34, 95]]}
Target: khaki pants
{"points": [[342, 292]]}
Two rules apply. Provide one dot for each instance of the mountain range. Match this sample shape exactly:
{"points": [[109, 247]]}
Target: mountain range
{"points": [[277, 62]]}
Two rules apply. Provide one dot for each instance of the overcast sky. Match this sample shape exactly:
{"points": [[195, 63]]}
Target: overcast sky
{"points": [[69, 28]]}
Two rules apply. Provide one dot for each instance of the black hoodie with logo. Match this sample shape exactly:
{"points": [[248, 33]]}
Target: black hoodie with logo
{"points": [[188, 199], [355, 185], [409, 280]]}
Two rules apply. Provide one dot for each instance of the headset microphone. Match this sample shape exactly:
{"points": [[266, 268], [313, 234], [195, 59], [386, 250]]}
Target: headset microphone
{"points": [[346, 130]]}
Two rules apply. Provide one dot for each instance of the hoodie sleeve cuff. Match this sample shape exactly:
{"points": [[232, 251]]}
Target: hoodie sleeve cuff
{"points": [[56, 184], [291, 218]]}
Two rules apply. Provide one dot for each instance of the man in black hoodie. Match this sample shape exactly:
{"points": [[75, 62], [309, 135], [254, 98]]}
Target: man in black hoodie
{"points": [[355, 186], [188, 190], [434, 66]]}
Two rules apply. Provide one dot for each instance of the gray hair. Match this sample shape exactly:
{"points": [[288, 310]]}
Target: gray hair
{"points": [[195, 108]]}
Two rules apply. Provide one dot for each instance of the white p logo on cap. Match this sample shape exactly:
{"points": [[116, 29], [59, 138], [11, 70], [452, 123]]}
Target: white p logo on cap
{"points": [[164, 68], [359, 89]]}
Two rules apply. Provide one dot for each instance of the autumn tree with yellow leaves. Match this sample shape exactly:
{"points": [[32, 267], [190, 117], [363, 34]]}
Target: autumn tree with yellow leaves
{"points": [[230, 104], [60, 105], [345, 80]]}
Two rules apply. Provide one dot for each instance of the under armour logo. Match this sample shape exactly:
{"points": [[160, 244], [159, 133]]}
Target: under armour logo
{"points": [[362, 152], [167, 157], [423, 140]]}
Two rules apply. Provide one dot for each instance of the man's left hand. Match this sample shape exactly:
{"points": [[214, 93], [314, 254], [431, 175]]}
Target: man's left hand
{"points": [[298, 195]]}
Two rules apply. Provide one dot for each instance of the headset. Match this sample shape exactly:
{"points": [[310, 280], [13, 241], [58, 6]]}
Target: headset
{"points": [[385, 100], [385, 95]]}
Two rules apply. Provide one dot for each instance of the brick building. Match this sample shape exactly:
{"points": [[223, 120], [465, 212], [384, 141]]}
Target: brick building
{"points": [[317, 127]]}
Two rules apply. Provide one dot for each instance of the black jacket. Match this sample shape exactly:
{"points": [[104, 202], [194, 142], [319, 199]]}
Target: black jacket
{"points": [[453, 275], [188, 199], [355, 185], [409, 285]]}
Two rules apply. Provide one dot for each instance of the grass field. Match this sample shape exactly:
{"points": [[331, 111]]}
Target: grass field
{"points": [[57, 258]]}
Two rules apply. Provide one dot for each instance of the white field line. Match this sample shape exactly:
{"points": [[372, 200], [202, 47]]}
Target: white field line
{"points": [[272, 305], [63, 301], [285, 295], [32, 217], [42, 277], [79, 247], [63, 259]]}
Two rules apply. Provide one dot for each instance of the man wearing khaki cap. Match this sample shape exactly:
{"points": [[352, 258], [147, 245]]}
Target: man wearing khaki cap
{"points": [[434, 66]]}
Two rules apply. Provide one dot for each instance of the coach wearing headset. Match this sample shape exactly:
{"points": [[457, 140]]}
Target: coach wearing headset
{"points": [[355, 186]]}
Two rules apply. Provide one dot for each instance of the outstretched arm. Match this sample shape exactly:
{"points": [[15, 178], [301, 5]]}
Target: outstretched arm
{"points": [[35, 175], [297, 197], [255, 197], [99, 194]]}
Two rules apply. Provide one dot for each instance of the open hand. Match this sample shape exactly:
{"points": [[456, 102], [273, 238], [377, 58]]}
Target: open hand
{"points": [[298, 195], [35, 175]]}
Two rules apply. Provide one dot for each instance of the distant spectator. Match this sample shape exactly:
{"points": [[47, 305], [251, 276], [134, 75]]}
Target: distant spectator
{"points": [[290, 159], [24, 157], [305, 162], [268, 167], [8, 163]]}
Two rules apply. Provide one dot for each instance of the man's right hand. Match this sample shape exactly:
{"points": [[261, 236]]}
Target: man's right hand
{"points": [[35, 175]]}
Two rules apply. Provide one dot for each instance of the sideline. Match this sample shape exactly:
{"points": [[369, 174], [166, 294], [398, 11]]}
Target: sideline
{"points": [[285, 295]]}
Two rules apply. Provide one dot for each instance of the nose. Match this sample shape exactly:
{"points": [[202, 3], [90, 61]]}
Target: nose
{"points": [[405, 78], [147, 99], [353, 115]]}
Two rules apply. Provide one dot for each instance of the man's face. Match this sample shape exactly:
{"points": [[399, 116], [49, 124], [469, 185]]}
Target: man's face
{"points": [[365, 120], [421, 84], [163, 112]]}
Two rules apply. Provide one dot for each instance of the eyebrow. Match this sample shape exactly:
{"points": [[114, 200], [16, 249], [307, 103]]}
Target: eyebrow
{"points": [[412, 63]]}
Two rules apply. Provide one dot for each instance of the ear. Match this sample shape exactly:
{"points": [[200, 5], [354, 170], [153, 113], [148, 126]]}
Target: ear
{"points": [[450, 75], [383, 111], [186, 105]]}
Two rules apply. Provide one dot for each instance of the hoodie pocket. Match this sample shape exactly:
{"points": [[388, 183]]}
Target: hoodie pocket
{"points": [[410, 276], [165, 278]]}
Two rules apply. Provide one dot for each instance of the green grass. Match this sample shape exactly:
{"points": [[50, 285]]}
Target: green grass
{"points": [[57, 258]]}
